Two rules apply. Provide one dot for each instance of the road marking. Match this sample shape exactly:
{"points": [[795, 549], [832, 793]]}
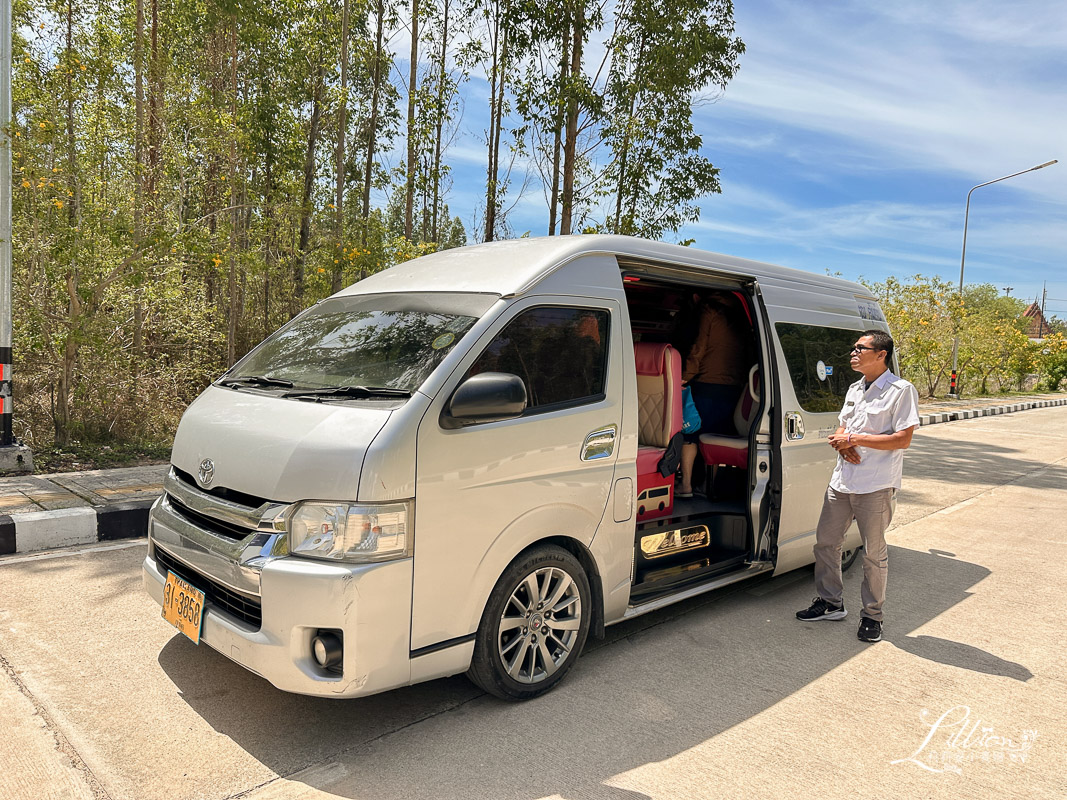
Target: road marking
{"points": [[954, 508]]}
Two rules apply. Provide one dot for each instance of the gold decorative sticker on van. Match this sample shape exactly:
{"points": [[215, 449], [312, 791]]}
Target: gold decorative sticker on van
{"points": [[443, 341], [656, 545]]}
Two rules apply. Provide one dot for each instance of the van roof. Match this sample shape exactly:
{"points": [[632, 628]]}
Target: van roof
{"points": [[514, 266]]}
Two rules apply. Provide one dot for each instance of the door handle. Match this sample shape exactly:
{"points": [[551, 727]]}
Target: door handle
{"points": [[600, 443], [794, 426]]}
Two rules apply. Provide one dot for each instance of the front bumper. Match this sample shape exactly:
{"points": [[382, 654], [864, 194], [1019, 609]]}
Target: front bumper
{"points": [[296, 597]]}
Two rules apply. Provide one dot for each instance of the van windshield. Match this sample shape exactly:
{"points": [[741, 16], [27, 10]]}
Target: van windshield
{"points": [[388, 341]]}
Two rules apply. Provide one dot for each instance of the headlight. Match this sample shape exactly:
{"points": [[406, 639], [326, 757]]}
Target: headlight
{"points": [[356, 532]]}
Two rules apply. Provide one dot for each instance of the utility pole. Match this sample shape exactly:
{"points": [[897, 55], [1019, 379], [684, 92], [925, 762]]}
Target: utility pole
{"points": [[13, 456], [1041, 319], [1007, 290]]}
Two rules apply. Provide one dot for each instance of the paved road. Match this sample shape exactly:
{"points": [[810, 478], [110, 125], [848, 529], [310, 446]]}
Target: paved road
{"points": [[727, 696]]}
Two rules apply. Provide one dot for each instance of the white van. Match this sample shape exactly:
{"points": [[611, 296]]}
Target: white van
{"points": [[466, 463]]}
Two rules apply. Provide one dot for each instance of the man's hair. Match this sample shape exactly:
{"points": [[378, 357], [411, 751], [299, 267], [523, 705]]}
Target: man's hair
{"points": [[881, 341]]}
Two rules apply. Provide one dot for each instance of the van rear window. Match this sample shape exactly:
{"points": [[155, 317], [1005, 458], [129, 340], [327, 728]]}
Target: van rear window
{"points": [[818, 362]]}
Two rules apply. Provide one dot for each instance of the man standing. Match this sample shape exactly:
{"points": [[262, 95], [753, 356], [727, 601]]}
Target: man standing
{"points": [[880, 414]]}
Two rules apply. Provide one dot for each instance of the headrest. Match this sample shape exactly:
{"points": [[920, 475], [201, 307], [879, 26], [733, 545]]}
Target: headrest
{"points": [[650, 357]]}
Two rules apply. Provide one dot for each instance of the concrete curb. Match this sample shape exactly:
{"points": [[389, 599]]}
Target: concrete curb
{"points": [[46, 530], [991, 411]]}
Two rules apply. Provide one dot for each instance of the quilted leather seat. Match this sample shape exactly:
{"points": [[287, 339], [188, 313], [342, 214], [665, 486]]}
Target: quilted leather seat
{"points": [[659, 394]]}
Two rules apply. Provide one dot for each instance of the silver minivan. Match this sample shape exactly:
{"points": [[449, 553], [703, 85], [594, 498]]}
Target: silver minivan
{"points": [[466, 463]]}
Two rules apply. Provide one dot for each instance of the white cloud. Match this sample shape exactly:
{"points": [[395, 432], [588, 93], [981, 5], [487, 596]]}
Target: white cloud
{"points": [[919, 96]]}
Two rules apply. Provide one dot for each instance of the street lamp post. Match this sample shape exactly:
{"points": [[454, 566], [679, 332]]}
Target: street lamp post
{"points": [[963, 258]]}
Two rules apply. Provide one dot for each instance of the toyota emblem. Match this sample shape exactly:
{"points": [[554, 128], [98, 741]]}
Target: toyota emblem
{"points": [[206, 473]]}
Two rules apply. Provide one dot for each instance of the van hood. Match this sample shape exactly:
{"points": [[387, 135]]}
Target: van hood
{"points": [[276, 449]]}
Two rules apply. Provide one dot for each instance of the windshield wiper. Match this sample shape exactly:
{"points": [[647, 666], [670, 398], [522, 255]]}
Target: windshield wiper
{"points": [[349, 391], [256, 380]]}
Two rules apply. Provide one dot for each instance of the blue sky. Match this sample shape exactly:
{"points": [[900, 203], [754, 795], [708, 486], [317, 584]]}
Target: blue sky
{"points": [[853, 131]]}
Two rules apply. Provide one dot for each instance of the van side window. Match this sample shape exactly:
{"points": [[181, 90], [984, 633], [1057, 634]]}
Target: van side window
{"points": [[818, 362], [560, 352]]}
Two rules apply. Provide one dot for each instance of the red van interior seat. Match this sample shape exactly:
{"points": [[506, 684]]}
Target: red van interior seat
{"points": [[659, 394], [732, 451]]}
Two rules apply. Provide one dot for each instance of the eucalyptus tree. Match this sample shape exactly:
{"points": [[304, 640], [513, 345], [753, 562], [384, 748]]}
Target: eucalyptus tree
{"points": [[661, 67], [500, 42], [410, 165], [448, 71], [339, 160], [381, 116]]}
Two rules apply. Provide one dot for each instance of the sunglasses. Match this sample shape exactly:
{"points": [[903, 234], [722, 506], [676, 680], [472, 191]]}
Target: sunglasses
{"points": [[859, 348]]}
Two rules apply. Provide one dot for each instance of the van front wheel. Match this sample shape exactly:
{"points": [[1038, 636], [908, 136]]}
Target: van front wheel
{"points": [[534, 625]]}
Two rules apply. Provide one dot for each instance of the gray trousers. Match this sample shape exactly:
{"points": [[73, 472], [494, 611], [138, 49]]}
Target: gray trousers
{"points": [[873, 513]]}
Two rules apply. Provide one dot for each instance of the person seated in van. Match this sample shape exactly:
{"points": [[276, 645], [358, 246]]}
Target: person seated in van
{"points": [[715, 370]]}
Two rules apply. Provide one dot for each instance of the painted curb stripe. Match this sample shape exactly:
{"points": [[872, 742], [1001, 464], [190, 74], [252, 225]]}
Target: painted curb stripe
{"points": [[7, 535], [122, 520], [47, 530], [990, 411]]}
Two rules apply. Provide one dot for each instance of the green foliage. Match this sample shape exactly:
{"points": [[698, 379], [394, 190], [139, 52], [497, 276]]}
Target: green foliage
{"points": [[176, 169], [1051, 356], [994, 353], [660, 64]]}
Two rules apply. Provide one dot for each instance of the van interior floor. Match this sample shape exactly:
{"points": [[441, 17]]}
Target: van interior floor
{"points": [[698, 504], [701, 540]]}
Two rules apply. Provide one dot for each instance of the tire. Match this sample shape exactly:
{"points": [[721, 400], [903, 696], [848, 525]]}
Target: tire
{"points": [[513, 658], [848, 557]]}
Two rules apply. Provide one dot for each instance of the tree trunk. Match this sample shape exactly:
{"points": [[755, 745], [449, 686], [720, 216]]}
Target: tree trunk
{"points": [[73, 206], [409, 190], [496, 108], [309, 183], [342, 125], [620, 190], [155, 115], [138, 134], [138, 161], [65, 385], [557, 129], [234, 305], [268, 215], [212, 192], [439, 128], [490, 177], [372, 124], [570, 144]]}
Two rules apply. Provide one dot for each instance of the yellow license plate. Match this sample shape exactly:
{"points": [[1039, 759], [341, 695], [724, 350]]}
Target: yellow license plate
{"points": [[183, 606]]}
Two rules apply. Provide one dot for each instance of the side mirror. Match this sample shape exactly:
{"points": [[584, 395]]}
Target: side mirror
{"points": [[486, 397]]}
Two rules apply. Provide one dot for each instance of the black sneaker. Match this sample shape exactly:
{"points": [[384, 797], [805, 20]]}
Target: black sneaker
{"points": [[820, 609], [870, 630]]}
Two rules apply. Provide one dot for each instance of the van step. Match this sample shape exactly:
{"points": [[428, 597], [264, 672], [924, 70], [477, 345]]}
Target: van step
{"points": [[654, 582]]}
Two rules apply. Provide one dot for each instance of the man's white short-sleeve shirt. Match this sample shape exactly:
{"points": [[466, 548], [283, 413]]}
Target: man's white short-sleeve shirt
{"points": [[891, 404]]}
